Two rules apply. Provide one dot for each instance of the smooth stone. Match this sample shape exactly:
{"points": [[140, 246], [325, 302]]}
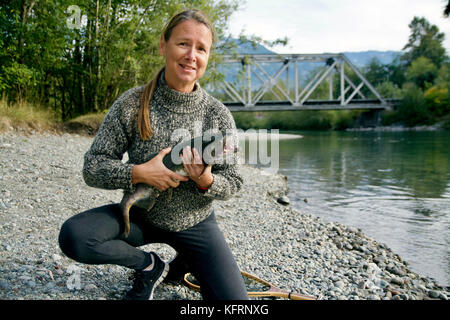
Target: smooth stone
{"points": [[284, 200], [433, 294]]}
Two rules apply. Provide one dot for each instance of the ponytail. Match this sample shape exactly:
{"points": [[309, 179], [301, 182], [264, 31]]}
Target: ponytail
{"points": [[144, 126]]}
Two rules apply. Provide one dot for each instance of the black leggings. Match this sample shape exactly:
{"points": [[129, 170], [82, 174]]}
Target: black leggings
{"points": [[96, 237]]}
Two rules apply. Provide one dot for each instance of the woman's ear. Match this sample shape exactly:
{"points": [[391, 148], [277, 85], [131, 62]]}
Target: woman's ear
{"points": [[162, 46]]}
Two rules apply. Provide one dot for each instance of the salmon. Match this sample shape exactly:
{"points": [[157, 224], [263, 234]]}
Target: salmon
{"points": [[215, 149]]}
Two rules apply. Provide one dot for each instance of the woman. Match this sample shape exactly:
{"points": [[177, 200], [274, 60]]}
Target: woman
{"points": [[141, 122]]}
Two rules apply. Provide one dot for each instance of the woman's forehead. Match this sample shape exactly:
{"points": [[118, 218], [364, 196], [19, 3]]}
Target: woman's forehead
{"points": [[192, 30]]}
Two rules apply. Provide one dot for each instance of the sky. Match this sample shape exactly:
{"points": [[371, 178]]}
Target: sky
{"points": [[317, 26]]}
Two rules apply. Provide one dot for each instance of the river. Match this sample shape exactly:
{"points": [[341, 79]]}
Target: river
{"points": [[394, 186]]}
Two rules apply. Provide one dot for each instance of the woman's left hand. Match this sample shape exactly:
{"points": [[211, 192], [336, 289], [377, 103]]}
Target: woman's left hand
{"points": [[195, 168]]}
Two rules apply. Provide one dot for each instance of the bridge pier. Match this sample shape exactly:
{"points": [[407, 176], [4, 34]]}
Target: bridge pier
{"points": [[370, 119]]}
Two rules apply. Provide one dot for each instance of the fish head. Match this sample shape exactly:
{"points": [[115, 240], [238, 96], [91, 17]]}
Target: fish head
{"points": [[219, 148], [213, 147]]}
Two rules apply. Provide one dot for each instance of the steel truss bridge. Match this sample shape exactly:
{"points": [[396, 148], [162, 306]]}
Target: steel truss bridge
{"points": [[261, 74]]}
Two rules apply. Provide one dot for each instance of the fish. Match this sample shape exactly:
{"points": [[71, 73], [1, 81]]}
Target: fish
{"points": [[215, 149]]}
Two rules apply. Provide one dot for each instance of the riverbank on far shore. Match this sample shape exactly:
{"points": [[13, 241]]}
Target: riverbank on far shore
{"points": [[251, 134], [42, 186], [394, 128]]}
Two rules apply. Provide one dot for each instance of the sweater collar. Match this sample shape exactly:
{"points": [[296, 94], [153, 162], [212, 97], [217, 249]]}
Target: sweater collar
{"points": [[179, 102]]}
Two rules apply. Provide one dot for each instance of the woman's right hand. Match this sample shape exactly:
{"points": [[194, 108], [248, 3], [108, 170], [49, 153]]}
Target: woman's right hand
{"points": [[155, 173]]}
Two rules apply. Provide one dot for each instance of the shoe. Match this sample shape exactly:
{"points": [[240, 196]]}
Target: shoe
{"points": [[145, 282], [178, 268]]}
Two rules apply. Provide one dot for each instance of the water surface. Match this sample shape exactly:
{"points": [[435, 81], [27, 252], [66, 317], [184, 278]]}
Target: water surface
{"points": [[395, 186]]}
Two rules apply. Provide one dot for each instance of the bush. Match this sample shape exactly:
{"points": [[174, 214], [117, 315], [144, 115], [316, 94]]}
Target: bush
{"points": [[297, 120], [413, 109], [388, 118], [389, 90], [300, 120], [422, 71], [437, 99], [345, 119], [247, 120]]}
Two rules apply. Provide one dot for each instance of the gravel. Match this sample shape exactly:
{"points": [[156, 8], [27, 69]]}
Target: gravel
{"points": [[41, 186]]}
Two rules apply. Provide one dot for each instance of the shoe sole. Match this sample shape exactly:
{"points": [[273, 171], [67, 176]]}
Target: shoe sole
{"points": [[160, 279]]}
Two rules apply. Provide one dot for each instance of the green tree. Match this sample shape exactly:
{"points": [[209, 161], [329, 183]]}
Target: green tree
{"points": [[376, 72], [422, 72], [79, 61], [388, 89], [425, 40], [397, 71], [413, 109], [438, 96]]}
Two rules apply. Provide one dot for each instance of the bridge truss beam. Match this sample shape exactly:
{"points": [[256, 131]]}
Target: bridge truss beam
{"points": [[248, 97]]}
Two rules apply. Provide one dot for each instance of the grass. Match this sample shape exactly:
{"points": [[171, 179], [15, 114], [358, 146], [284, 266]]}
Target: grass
{"points": [[27, 117], [85, 124]]}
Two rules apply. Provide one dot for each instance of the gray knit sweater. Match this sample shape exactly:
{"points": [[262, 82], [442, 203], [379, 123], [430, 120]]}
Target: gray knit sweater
{"points": [[173, 115]]}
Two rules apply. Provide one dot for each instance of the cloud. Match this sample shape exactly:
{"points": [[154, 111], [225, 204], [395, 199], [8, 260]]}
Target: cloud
{"points": [[335, 26]]}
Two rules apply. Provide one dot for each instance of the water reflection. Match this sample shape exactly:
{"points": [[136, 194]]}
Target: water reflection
{"points": [[393, 185], [416, 161]]}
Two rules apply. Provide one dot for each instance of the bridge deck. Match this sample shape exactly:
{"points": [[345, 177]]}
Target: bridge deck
{"points": [[312, 105]]}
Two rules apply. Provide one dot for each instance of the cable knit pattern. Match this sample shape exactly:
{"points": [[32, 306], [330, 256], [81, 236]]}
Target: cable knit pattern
{"points": [[174, 116]]}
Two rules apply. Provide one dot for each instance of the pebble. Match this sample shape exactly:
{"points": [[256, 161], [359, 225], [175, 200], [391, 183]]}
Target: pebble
{"points": [[4, 285], [284, 200], [89, 287], [42, 186], [433, 294], [397, 280]]}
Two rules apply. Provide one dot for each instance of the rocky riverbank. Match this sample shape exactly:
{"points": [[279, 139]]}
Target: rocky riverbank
{"points": [[41, 186]]}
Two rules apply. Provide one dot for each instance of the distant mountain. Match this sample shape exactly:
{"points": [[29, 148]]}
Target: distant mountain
{"points": [[363, 58], [247, 48], [358, 58]]}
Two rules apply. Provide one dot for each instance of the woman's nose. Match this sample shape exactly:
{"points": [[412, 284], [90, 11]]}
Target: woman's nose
{"points": [[190, 54]]}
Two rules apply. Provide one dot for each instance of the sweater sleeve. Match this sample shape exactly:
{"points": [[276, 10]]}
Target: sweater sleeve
{"points": [[103, 167], [226, 177]]}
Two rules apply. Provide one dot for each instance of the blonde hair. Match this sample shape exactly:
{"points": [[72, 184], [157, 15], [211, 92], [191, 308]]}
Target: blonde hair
{"points": [[144, 126]]}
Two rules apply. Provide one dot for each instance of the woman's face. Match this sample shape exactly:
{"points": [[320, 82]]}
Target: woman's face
{"points": [[186, 54]]}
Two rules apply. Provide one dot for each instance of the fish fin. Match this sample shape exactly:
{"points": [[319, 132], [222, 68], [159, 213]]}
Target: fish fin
{"points": [[126, 218], [156, 195], [152, 204], [169, 197]]}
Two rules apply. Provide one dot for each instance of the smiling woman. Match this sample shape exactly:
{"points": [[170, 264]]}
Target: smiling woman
{"points": [[193, 30], [143, 122], [186, 53]]}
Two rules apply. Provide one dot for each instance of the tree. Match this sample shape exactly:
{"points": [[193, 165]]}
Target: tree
{"points": [[376, 72], [82, 67], [422, 72], [413, 109], [425, 40]]}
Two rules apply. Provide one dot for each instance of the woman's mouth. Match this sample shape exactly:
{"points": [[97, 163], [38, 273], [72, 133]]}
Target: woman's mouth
{"points": [[187, 68]]}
